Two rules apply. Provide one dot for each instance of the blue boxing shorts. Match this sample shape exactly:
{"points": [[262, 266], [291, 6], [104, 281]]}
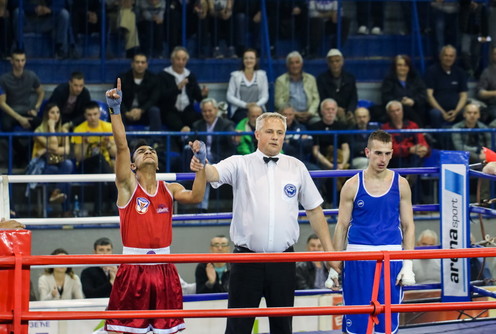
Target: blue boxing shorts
{"points": [[146, 287], [358, 280]]}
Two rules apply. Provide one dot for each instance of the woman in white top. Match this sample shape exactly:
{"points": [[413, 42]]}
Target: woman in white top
{"points": [[249, 85], [60, 282]]}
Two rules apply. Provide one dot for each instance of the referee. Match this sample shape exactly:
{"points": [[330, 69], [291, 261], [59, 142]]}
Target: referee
{"points": [[268, 187]]}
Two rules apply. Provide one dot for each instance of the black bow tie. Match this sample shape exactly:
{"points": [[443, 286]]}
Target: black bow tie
{"points": [[267, 159]]}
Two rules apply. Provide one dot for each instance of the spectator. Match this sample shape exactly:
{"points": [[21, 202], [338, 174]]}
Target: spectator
{"points": [[408, 148], [86, 17], [311, 274], [59, 282], [404, 84], [23, 95], [358, 142], [492, 20], [248, 143], [218, 147], [247, 86], [123, 19], [98, 281], [297, 145], [471, 142], [44, 16], [214, 277], [200, 29], [370, 14], [297, 89], [427, 271], [174, 20], [323, 17], [479, 269], [287, 21], [55, 150], [338, 85], [5, 31], [474, 31], [140, 95], [179, 91], [486, 88], [150, 17], [323, 148], [445, 21], [221, 26], [71, 98], [446, 89], [96, 154], [247, 18]]}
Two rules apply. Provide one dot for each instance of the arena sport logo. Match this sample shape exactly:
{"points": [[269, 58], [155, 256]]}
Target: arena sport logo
{"points": [[290, 190], [360, 203], [142, 205]]}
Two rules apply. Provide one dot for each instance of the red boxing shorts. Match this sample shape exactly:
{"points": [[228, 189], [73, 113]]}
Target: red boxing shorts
{"points": [[146, 287]]}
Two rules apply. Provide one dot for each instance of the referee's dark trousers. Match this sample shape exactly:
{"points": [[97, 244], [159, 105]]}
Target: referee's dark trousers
{"points": [[249, 282]]}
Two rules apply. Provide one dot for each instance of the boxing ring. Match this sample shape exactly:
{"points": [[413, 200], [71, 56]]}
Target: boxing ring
{"points": [[16, 260]]}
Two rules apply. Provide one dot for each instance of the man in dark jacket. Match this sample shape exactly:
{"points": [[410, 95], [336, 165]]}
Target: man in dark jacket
{"points": [[140, 95], [218, 147], [338, 85], [311, 275], [179, 90], [98, 281], [214, 277], [71, 98]]}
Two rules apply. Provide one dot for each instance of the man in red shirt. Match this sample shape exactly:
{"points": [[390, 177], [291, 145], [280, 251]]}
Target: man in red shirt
{"points": [[408, 148]]}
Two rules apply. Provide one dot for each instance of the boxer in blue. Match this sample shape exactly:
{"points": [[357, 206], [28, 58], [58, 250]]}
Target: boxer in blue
{"points": [[375, 213]]}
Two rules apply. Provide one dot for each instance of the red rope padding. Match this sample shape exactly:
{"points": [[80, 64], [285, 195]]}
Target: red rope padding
{"points": [[20, 262], [249, 312], [30, 260]]}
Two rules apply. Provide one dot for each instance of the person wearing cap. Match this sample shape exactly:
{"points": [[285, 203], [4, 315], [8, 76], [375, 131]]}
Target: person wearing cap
{"points": [[297, 89], [339, 85]]}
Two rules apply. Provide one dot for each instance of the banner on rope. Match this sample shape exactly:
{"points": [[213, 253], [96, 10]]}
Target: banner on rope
{"points": [[455, 230]]}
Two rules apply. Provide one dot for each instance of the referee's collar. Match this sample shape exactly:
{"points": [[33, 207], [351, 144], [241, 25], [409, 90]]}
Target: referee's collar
{"points": [[261, 156]]}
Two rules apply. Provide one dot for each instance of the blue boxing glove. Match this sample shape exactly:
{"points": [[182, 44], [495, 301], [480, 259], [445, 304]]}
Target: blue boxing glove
{"points": [[202, 153], [114, 104]]}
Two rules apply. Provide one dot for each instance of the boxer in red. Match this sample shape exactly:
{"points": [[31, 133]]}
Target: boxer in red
{"points": [[145, 210]]}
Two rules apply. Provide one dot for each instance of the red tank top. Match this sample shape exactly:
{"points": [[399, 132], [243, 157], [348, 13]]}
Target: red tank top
{"points": [[146, 220]]}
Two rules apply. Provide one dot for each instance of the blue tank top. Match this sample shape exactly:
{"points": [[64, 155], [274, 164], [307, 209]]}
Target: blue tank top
{"points": [[375, 220]]}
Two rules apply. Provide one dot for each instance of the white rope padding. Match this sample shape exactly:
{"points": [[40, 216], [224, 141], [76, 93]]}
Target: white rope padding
{"points": [[70, 220], [77, 178]]}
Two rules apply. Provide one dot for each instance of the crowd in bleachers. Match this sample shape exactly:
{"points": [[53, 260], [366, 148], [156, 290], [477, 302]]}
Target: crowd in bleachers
{"points": [[225, 28], [175, 99]]}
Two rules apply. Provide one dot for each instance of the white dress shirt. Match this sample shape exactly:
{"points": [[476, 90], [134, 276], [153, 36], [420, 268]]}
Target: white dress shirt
{"points": [[265, 201]]}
